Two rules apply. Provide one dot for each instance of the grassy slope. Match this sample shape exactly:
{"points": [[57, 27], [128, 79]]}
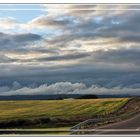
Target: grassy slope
{"points": [[10, 110]]}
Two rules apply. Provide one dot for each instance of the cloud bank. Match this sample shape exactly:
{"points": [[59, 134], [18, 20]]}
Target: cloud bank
{"points": [[68, 88]]}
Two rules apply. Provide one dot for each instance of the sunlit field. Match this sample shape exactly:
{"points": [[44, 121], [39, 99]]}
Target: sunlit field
{"points": [[10, 110]]}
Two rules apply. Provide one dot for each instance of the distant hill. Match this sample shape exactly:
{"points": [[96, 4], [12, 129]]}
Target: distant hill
{"points": [[62, 96], [87, 97]]}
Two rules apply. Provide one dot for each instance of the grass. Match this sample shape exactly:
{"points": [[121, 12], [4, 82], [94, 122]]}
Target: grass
{"points": [[11, 110]]}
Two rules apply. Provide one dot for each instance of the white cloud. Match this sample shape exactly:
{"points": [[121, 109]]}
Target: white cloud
{"points": [[7, 23], [86, 10], [70, 88]]}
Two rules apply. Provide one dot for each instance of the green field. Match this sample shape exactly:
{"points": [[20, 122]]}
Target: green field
{"points": [[66, 109]]}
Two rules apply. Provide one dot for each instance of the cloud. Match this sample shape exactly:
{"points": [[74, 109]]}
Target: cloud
{"points": [[111, 56], [117, 56], [46, 21], [120, 27], [70, 56], [89, 44], [106, 68], [12, 41], [57, 88], [16, 85], [71, 88], [8, 23], [4, 59], [85, 9]]}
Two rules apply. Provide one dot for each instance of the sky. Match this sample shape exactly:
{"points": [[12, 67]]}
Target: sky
{"points": [[69, 49]]}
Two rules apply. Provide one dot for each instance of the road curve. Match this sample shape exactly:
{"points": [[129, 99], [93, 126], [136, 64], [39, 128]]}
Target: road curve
{"points": [[123, 127]]}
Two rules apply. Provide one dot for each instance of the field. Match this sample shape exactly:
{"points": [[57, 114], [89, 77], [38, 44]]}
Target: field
{"points": [[62, 109], [53, 117]]}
